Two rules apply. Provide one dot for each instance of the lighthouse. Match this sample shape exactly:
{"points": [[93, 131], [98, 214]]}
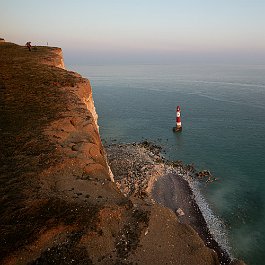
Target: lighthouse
{"points": [[178, 127]]}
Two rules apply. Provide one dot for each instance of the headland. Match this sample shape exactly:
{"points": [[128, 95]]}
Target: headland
{"points": [[59, 201]]}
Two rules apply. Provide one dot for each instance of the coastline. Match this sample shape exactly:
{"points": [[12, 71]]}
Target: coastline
{"points": [[140, 171], [59, 202]]}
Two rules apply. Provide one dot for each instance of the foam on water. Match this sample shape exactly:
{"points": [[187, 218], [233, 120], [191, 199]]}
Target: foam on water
{"points": [[215, 224]]}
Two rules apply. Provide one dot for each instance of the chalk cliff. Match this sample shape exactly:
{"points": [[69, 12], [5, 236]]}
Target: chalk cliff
{"points": [[59, 204]]}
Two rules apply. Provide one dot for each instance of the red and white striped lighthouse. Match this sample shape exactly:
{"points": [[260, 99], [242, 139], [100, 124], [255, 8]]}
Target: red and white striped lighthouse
{"points": [[178, 120]]}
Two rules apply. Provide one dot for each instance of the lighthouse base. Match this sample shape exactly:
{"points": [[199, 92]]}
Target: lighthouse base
{"points": [[177, 129]]}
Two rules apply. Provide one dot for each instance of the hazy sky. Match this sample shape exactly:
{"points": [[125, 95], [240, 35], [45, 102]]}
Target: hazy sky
{"points": [[144, 31]]}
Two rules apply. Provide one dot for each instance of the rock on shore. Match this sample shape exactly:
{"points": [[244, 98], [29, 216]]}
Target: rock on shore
{"points": [[59, 204]]}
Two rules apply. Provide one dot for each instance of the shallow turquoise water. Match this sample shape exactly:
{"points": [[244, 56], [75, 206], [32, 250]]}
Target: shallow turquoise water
{"points": [[223, 130]]}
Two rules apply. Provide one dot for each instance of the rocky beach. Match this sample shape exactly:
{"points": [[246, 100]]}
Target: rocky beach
{"points": [[59, 201], [141, 171]]}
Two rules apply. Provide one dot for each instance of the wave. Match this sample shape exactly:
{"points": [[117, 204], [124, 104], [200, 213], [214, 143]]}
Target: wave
{"points": [[247, 85], [215, 98], [215, 224]]}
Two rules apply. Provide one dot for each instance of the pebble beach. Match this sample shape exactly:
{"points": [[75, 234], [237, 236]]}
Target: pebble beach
{"points": [[141, 171]]}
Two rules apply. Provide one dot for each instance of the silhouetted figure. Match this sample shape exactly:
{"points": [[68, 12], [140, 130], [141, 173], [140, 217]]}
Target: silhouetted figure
{"points": [[28, 44]]}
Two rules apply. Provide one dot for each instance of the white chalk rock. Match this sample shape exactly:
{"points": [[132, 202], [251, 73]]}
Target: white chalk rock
{"points": [[180, 212]]}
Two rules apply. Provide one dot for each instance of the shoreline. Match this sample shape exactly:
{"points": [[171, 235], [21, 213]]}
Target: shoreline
{"points": [[59, 203], [140, 171]]}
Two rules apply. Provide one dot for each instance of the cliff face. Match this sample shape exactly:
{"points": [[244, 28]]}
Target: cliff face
{"points": [[59, 204]]}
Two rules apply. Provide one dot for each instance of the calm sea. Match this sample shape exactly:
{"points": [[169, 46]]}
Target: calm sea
{"points": [[223, 122]]}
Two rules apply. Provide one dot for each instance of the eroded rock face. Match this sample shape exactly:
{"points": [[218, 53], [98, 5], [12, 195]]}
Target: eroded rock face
{"points": [[54, 175], [59, 204]]}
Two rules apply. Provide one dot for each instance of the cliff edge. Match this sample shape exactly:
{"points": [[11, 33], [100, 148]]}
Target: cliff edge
{"points": [[59, 204]]}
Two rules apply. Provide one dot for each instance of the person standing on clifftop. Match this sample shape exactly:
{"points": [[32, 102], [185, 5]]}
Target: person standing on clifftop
{"points": [[28, 44]]}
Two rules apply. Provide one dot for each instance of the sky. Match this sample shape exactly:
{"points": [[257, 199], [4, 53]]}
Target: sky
{"points": [[140, 31]]}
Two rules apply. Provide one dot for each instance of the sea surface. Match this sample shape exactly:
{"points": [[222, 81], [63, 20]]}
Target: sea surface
{"points": [[223, 119]]}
